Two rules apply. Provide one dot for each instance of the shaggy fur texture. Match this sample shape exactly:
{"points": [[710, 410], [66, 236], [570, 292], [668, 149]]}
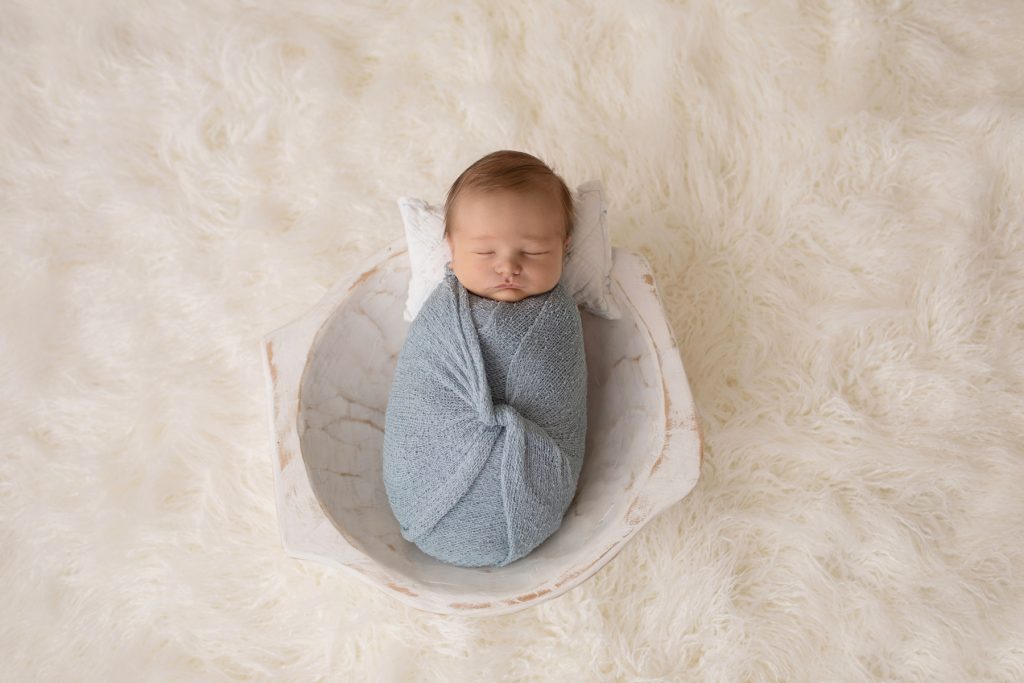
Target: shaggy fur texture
{"points": [[831, 195]]}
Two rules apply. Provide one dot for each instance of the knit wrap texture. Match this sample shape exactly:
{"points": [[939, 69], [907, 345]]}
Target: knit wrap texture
{"points": [[486, 423]]}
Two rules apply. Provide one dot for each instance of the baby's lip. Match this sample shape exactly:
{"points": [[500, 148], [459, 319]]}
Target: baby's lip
{"points": [[509, 285]]}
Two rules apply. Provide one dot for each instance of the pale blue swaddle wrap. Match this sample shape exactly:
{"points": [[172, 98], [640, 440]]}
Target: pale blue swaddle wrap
{"points": [[486, 423]]}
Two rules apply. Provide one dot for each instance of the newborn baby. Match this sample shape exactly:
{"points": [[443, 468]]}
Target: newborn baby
{"points": [[486, 418]]}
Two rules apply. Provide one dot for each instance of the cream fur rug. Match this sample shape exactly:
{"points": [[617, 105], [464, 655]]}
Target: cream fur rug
{"points": [[831, 195]]}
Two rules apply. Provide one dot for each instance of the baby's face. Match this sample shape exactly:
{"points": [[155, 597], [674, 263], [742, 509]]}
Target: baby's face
{"points": [[506, 237]]}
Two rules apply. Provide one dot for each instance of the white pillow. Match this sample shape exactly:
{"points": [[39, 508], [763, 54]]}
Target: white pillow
{"points": [[586, 272]]}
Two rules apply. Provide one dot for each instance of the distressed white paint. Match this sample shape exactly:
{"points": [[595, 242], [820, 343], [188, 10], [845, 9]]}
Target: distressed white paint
{"points": [[328, 377]]}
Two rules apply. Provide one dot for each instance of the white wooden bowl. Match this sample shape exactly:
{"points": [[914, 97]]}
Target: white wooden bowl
{"points": [[328, 378]]}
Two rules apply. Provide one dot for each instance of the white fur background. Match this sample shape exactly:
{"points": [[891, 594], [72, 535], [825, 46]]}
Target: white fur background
{"points": [[831, 195]]}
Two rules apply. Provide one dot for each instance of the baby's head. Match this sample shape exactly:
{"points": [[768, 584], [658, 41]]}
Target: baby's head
{"points": [[508, 219]]}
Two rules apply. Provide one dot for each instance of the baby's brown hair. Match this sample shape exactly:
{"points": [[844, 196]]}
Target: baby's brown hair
{"points": [[508, 169]]}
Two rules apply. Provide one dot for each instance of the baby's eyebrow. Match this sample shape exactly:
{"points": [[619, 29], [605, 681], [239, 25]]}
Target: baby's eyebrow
{"points": [[528, 238]]}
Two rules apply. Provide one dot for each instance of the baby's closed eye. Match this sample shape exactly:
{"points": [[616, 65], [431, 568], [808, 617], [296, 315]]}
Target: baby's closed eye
{"points": [[525, 253]]}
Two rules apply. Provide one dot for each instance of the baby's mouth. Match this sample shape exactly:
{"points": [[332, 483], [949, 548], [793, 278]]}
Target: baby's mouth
{"points": [[509, 285]]}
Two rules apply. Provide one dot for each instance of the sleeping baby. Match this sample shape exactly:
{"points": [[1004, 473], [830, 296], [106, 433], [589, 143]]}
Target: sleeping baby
{"points": [[486, 418]]}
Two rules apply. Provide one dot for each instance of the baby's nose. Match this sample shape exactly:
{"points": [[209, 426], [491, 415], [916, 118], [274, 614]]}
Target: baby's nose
{"points": [[508, 266]]}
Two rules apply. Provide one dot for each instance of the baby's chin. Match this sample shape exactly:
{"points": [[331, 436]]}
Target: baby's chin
{"points": [[509, 294]]}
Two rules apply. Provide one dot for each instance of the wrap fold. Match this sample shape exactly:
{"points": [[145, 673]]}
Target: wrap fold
{"points": [[486, 424]]}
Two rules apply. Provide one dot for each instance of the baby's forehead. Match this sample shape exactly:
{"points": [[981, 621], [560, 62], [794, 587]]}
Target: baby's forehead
{"points": [[506, 214]]}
